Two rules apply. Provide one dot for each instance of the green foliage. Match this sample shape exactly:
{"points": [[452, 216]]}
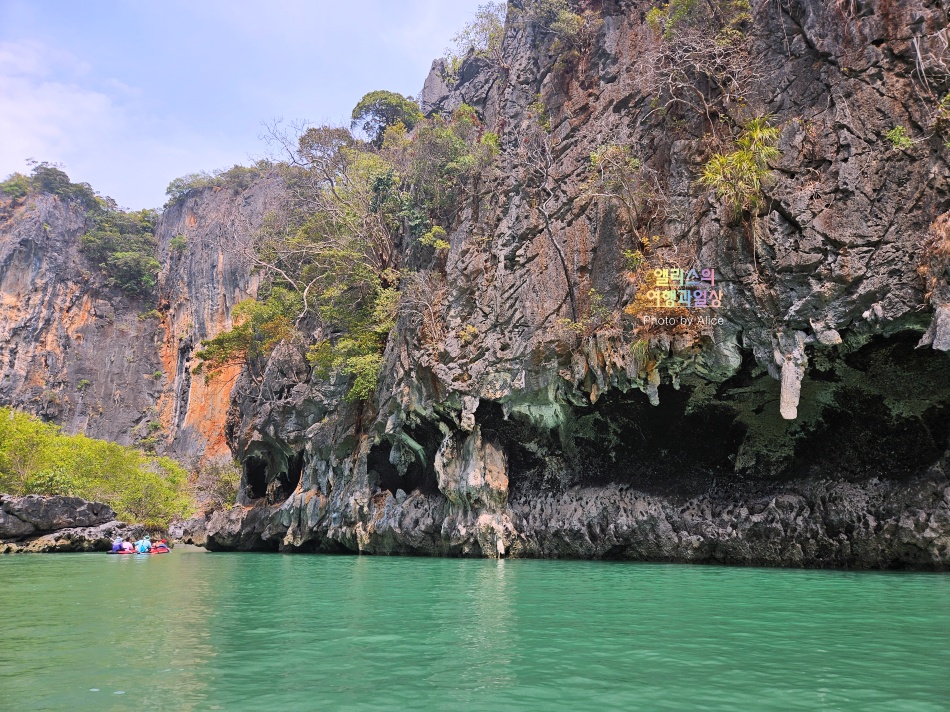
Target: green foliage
{"points": [[123, 245], [237, 178], [49, 178], [158, 375], [179, 243], [468, 334], [83, 385], [259, 327], [380, 109], [435, 238], [539, 113], [16, 186], [216, 484], [55, 481], [336, 247], [899, 138], [727, 15], [482, 36], [36, 458], [634, 259], [555, 16], [441, 159], [150, 314], [358, 353], [738, 176]]}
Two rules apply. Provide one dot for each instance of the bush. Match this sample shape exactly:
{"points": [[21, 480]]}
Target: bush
{"points": [[236, 177], [16, 186], [899, 138], [123, 246], [379, 110], [179, 243], [738, 176], [48, 178], [482, 37], [36, 458], [215, 485], [259, 327]]}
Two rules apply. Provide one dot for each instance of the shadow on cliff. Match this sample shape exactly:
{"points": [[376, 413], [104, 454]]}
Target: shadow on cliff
{"points": [[881, 410]]}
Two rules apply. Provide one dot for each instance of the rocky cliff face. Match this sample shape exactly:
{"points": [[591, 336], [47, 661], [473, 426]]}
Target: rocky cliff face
{"points": [[97, 361], [802, 425], [35, 524], [540, 411]]}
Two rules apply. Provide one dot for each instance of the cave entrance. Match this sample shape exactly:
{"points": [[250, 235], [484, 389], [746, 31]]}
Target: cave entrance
{"points": [[878, 410], [287, 479], [418, 477], [676, 446], [255, 477]]}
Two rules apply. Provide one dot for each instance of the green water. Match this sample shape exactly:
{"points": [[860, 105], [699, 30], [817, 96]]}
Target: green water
{"points": [[196, 631]]}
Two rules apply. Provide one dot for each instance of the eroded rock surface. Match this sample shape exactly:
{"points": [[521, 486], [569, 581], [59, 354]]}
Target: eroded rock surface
{"points": [[800, 427], [93, 359], [37, 524]]}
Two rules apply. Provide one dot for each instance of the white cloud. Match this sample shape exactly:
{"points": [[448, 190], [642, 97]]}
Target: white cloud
{"points": [[129, 102], [42, 116], [50, 109]]}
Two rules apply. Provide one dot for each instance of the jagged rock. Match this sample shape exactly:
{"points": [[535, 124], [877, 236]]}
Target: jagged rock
{"points": [[80, 353], [677, 451], [98, 538], [23, 516], [435, 90], [472, 472], [35, 524], [555, 432]]}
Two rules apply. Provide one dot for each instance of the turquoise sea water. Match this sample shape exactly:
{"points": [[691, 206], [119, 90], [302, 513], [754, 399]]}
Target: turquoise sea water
{"points": [[197, 631]]}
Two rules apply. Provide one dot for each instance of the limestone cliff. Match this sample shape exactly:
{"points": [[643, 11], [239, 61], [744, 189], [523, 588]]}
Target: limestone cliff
{"points": [[537, 410], [800, 426], [93, 359]]}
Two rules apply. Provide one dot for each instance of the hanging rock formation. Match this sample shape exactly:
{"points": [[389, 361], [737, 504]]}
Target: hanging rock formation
{"points": [[797, 423], [799, 427]]}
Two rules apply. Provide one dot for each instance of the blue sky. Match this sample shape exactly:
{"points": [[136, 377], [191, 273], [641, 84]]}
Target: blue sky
{"points": [[129, 94]]}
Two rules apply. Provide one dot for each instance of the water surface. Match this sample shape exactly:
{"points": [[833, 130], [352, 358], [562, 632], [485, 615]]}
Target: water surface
{"points": [[197, 631]]}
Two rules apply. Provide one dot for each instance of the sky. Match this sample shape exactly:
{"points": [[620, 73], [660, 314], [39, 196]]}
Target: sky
{"points": [[128, 94]]}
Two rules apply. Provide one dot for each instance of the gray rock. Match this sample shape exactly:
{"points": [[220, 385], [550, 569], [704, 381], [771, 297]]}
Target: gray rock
{"points": [[22, 516]]}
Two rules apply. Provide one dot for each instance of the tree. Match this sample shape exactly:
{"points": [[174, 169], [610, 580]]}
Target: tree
{"points": [[482, 36], [380, 109]]}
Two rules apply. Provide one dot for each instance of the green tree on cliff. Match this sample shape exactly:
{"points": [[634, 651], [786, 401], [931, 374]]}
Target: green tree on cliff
{"points": [[331, 258], [379, 110]]}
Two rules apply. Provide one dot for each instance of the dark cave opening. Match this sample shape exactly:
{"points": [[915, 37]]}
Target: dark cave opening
{"points": [[890, 417], [419, 477], [255, 477], [881, 410], [624, 439]]}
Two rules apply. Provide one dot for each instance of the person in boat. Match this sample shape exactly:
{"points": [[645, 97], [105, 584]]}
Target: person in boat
{"points": [[160, 545], [144, 545], [117, 545], [127, 545]]}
